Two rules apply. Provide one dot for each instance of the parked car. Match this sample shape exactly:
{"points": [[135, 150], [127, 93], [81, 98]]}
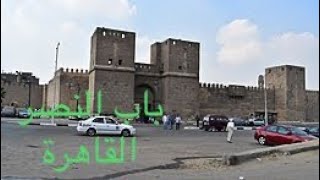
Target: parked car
{"points": [[238, 121], [78, 117], [281, 134], [313, 130], [8, 111], [22, 113], [212, 121], [256, 122], [104, 125]]}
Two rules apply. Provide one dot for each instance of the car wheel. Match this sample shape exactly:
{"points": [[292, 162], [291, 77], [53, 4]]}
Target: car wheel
{"points": [[125, 133], [91, 132], [262, 140]]}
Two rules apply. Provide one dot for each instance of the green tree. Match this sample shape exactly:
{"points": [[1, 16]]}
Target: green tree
{"points": [[3, 93]]}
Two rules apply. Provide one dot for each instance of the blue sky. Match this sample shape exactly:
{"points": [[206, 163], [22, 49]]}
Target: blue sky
{"points": [[239, 38]]}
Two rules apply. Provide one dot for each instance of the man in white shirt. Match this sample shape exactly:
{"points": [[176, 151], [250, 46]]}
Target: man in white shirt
{"points": [[230, 128], [178, 122], [164, 121]]}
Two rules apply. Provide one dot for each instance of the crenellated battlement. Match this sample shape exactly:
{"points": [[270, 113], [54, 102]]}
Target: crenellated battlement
{"points": [[140, 67], [215, 86], [212, 86], [73, 71], [108, 32]]}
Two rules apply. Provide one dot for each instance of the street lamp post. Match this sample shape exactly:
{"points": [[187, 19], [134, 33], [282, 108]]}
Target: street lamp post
{"points": [[55, 81], [265, 107]]}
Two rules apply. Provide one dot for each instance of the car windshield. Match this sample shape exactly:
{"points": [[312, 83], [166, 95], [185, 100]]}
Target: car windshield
{"points": [[313, 129], [299, 132]]}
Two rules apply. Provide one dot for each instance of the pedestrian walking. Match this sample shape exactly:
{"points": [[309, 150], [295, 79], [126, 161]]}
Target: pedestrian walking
{"points": [[230, 128], [172, 120], [165, 121], [178, 122], [198, 120], [169, 117]]}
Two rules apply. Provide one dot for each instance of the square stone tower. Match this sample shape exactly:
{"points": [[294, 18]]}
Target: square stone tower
{"points": [[290, 92], [179, 68], [112, 69]]}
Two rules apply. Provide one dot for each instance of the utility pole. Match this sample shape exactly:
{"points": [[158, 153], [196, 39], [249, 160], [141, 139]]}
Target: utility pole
{"points": [[265, 106], [55, 81]]}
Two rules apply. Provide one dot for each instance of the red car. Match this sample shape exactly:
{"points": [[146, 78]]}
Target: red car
{"points": [[281, 134]]}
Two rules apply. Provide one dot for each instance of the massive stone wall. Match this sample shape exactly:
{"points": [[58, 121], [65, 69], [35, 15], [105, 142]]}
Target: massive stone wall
{"points": [[18, 92], [296, 93], [275, 78], [67, 83], [234, 100], [53, 91], [178, 68], [180, 95], [312, 106], [74, 82], [289, 82], [117, 90], [112, 69]]}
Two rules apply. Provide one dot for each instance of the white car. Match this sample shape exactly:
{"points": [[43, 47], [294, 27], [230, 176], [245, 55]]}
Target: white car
{"points": [[104, 125]]}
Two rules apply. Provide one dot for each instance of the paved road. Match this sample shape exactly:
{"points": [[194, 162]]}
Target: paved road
{"points": [[22, 150]]}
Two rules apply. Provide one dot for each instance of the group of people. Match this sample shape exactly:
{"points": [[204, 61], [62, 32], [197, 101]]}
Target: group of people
{"points": [[170, 120]]}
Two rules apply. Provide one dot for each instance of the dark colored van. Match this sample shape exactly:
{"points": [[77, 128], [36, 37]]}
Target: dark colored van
{"points": [[217, 122]]}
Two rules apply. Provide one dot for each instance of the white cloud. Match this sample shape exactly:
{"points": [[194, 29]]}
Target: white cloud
{"points": [[240, 42], [293, 47], [242, 52]]}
